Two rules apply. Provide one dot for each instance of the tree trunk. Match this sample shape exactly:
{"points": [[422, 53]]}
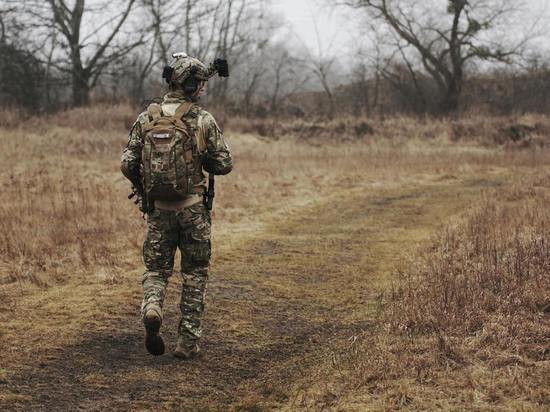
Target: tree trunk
{"points": [[137, 91], [81, 89], [376, 93], [451, 101]]}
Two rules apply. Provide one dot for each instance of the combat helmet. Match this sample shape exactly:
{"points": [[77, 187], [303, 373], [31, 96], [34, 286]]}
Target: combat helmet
{"points": [[187, 71]]}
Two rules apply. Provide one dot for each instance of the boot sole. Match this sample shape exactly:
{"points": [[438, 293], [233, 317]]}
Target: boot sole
{"points": [[185, 356], [153, 341], [192, 353]]}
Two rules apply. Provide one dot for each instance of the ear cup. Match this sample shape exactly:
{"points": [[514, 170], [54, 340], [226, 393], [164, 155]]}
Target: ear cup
{"points": [[167, 73]]}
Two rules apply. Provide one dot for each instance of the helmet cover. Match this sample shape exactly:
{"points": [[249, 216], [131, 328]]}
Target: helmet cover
{"points": [[185, 66]]}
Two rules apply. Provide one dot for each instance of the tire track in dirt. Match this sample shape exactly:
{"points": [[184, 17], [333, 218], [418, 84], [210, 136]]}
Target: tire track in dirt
{"points": [[276, 300]]}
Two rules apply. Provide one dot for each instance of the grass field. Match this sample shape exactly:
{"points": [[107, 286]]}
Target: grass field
{"points": [[356, 266]]}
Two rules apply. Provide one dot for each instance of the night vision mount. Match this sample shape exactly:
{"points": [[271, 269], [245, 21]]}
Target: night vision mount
{"points": [[221, 67]]}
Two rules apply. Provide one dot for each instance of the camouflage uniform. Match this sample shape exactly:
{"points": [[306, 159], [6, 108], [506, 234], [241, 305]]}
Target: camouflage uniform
{"points": [[184, 225]]}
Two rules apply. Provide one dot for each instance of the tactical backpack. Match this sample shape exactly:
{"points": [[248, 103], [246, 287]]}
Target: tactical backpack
{"points": [[170, 156]]}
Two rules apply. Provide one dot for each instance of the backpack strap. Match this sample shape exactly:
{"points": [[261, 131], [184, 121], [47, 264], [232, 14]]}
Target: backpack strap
{"points": [[189, 113], [193, 118], [183, 109], [154, 111]]}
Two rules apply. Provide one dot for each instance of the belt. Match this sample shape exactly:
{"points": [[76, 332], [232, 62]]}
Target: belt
{"points": [[177, 205]]}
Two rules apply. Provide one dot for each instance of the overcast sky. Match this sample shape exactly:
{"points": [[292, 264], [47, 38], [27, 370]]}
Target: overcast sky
{"points": [[301, 16], [336, 31]]}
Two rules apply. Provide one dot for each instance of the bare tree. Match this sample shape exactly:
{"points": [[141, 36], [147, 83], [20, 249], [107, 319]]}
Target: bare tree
{"points": [[446, 46], [192, 29], [137, 69], [230, 37], [3, 13], [360, 92], [161, 19], [22, 77], [85, 74], [237, 30], [322, 68], [400, 72], [287, 75], [254, 61], [88, 38], [322, 65], [366, 72], [371, 63]]}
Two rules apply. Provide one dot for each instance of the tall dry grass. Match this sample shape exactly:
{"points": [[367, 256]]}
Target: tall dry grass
{"points": [[511, 132], [492, 270], [516, 131], [467, 323], [60, 216], [96, 117]]}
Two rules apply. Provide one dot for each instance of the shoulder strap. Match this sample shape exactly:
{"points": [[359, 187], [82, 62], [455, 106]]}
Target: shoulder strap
{"points": [[154, 111], [189, 113], [183, 109]]}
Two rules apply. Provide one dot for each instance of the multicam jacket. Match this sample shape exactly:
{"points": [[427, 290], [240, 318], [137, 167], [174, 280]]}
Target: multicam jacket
{"points": [[216, 159]]}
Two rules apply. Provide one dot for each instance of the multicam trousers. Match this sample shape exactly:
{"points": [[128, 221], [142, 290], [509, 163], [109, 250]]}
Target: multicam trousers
{"points": [[188, 230]]}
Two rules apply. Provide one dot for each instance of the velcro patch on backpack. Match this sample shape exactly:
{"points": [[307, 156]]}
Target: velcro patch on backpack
{"points": [[162, 136]]}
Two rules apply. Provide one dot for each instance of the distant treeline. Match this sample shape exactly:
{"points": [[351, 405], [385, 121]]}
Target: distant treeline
{"points": [[494, 93], [410, 57], [497, 92], [24, 83]]}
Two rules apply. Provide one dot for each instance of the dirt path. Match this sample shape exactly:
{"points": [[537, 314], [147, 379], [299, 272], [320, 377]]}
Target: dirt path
{"points": [[276, 300]]}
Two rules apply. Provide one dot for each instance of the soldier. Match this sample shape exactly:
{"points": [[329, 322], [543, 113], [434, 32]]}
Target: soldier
{"points": [[169, 148]]}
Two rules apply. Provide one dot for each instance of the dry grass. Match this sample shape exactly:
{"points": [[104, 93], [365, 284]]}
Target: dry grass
{"points": [[466, 323], [97, 117], [495, 265], [303, 204], [64, 209], [59, 205], [510, 132]]}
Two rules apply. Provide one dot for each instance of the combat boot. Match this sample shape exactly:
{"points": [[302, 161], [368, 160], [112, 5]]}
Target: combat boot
{"points": [[153, 341], [185, 349]]}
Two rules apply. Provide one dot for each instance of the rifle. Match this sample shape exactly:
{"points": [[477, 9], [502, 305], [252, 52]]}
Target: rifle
{"points": [[208, 198], [141, 199]]}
